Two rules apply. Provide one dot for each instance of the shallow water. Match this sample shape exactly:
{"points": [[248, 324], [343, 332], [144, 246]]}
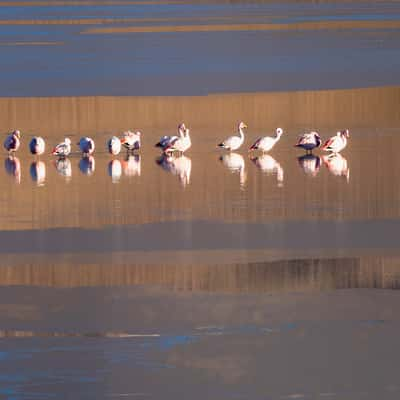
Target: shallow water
{"points": [[207, 275], [211, 275]]}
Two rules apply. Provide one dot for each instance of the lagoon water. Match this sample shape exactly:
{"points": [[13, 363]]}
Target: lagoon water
{"points": [[211, 275]]}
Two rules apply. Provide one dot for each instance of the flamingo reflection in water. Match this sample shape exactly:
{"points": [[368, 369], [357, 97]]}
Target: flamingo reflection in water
{"points": [[115, 170], [235, 163], [337, 165], [38, 172], [310, 164], [180, 166], [64, 167], [132, 165], [270, 166], [87, 165], [13, 168]]}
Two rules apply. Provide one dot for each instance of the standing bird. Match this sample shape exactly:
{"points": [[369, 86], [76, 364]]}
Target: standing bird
{"points": [[266, 143], [309, 141], [114, 146], [131, 140], [86, 145], [234, 142], [337, 143], [179, 145], [63, 149], [37, 145], [165, 141], [12, 142]]}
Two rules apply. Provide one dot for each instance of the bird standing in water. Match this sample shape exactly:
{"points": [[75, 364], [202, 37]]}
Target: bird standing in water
{"points": [[266, 143], [234, 142], [309, 141], [337, 143], [12, 142]]}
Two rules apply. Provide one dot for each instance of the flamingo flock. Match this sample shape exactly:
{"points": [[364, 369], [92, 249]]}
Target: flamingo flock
{"points": [[173, 160]]}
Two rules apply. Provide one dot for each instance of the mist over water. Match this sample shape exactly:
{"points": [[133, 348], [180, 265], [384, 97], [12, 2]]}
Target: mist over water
{"points": [[210, 274]]}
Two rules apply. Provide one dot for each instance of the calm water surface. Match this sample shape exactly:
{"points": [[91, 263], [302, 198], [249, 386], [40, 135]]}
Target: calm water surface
{"points": [[211, 275]]}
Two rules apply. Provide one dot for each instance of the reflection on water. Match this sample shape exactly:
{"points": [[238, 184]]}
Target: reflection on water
{"points": [[38, 172], [12, 166], [337, 165], [236, 164], [310, 164], [114, 170], [270, 166], [180, 166], [64, 168], [244, 264], [131, 165], [87, 165]]}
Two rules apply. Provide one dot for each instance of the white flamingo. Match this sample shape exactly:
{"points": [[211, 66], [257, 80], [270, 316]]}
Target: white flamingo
{"points": [[337, 143], [37, 145], [132, 165], [12, 142], [266, 143], [179, 145], [337, 165], [165, 141], [179, 166], [310, 164], [63, 149], [86, 145], [234, 142], [269, 165], [235, 163], [131, 140], [38, 172], [115, 170], [309, 141], [114, 146]]}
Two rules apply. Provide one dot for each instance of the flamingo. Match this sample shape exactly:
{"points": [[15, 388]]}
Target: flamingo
{"points": [[234, 142], [63, 149], [37, 145], [179, 145], [179, 166], [38, 172], [86, 145], [337, 143], [165, 141], [114, 146], [269, 165], [266, 143], [131, 140], [235, 163], [115, 170], [337, 165], [310, 164], [12, 142], [309, 141]]}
